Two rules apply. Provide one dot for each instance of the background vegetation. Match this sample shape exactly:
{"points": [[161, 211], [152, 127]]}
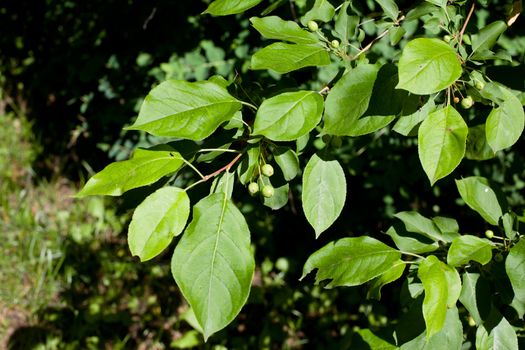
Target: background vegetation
{"points": [[72, 74]]}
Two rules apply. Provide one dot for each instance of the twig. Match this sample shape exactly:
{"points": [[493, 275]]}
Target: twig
{"points": [[370, 44], [466, 23], [227, 167]]}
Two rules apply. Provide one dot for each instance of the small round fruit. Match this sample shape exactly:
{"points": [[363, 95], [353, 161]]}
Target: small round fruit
{"points": [[447, 38], [334, 44], [479, 85], [268, 191], [456, 99], [313, 26], [267, 170], [471, 321], [498, 257], [253, 188], [467, 102], [489, 234]]}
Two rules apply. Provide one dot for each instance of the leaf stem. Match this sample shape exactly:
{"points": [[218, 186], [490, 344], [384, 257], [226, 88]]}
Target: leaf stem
{"points": [[192, 167], [413, 254], [249, 105], [217, 150]]}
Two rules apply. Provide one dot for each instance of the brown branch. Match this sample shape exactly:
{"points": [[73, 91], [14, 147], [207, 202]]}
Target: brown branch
{"points": [[466, 23], [227, 167]]}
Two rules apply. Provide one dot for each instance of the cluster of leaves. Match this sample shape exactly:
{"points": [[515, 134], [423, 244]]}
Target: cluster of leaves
{"points": [[436, 89]]}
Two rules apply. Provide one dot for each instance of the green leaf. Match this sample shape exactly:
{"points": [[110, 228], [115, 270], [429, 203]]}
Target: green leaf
{"points": [[374, 342], [477, 145], [442, 140], [508, 225], [427, 66], [393, 273], [432, 275], [487, 36], [415, 222], [345, 25], [411, 242], [274, 27], [280, 196], [505, 123], [466, 248], [288, 116], [453, 284], [407, 124], [249, 166], [449, 227], [324, 192], [515, 267], [159, 218], [474, 294], [389, 8], [223, 183], [496, 333], [230, 7], [450, 336], [213, 263], [440, 3], [145, 168], [478, 195], [321, 11], [284, 58], [370, 124], [351, 261], [185, 110], [288, 161], [349, 99]]}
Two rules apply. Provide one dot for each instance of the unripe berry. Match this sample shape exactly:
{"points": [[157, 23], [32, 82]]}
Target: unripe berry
{"points": [[467, 102], [498, 257], [267, 170], [447, 38], [489, 234], [456, 99], [479, 85], [471, 321], [268, 191], [313, 26], [335, 44], [253, 188]]}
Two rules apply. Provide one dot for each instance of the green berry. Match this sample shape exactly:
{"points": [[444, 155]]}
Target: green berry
{"points": [[313, 26], [253, 188], [467, 102], [447, 38], [498, 257], [335, 44], [489, 234], [267, 170], [268, 191], [471, 321], [479, 85]]}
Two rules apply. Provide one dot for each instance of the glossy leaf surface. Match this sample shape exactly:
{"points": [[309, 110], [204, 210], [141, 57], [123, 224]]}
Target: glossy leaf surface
{"points": [[442, 141], [478, 195], [427, 66], [466, 248], [213, 264], [159, 218], [145, 168], [185, 110], [324, 192], [230, 7], [273, 27], [350, 261], [288, 116], [284, 58]]}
